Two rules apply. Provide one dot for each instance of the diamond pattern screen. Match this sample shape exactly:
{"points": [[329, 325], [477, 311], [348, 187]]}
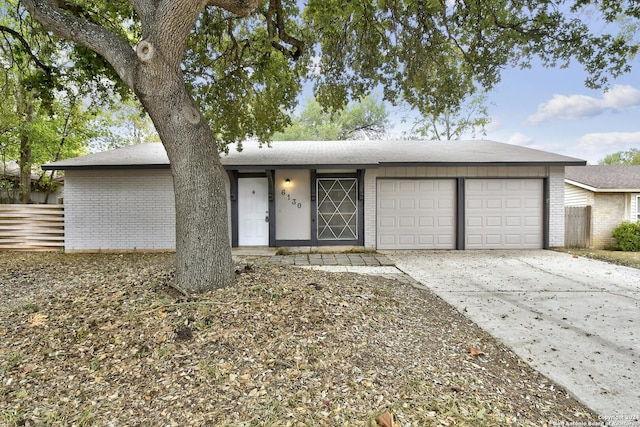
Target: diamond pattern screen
{"points": [[337, 209]]}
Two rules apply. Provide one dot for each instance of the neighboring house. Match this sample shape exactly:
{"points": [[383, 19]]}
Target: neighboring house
{"points": [[376, 194], [10, 184], [613, 192]]}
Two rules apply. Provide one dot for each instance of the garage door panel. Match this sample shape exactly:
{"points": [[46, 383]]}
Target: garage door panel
{"points": [[387, 221], [513, 203], [407, 221], [444, 222], [513, 221], [407, 240], [407, 204], [386, 186], [424, 210], [511, 216], [494, 221], [427, 221], [407, 186], [426, 204], [387, 204], [426, 240]]}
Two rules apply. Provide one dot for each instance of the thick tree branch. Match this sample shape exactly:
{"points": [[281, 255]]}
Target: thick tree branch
{"points": [[27, 48], [169, 29], [279, 26], [112, 47], [144, 9], [238, 7]]}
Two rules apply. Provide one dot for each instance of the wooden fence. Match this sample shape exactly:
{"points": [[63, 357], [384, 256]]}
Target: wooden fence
{"points": [[31, 227], [577, 226]]}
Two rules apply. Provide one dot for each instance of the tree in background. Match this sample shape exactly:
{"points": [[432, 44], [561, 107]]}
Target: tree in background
{"points": [[126, 123], [212, 72], [629, 157], [45, 114], [469, 118], [366, 119]]}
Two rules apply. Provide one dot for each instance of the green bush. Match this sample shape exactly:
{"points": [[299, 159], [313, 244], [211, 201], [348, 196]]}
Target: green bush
{"points": [[627, 237]]}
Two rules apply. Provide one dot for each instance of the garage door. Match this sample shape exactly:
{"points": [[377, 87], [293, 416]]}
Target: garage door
{"points": [[416, 214], [504, 214]]}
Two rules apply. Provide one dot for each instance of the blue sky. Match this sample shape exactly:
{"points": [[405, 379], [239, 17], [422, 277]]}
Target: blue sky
{"points": [[550, 109]]}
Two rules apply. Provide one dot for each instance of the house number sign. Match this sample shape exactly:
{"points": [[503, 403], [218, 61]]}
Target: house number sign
{"points": [[293, 201]]}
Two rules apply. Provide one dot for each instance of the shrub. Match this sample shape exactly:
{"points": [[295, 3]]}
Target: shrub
{"points": [[627, 237]]}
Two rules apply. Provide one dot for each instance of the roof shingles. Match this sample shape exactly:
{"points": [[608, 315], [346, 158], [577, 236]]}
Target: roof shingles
{"points": [[313, 154], [602, 177]]}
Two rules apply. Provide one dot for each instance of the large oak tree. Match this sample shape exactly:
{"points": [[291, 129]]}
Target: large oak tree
{"points": [[210, 72]]}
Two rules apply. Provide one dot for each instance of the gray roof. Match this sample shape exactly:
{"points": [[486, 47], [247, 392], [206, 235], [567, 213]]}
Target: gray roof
{"points": [[333, 154], [605, 177]]}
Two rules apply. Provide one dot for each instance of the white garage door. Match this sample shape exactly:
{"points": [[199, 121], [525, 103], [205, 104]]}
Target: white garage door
{"points": [[416, 214], [503, 214]]}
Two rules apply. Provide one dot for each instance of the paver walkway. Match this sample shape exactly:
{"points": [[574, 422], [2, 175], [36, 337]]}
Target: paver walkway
{"points": [[362, 263]]}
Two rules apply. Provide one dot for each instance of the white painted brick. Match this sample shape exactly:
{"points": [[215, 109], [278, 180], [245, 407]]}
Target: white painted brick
{"points": [[119, 210]]}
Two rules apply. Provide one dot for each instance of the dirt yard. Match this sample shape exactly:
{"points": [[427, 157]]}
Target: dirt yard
{"points": [[103, 340]]}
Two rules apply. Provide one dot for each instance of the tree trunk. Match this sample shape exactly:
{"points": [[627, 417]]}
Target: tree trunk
{"points": [[203, 254], [203, 250], [26, 110]]}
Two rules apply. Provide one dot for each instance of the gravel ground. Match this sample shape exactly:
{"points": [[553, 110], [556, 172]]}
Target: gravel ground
{"points": [[104, 340]]}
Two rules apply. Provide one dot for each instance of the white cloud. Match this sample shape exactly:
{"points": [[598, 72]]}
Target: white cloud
{"points": [[495, 124], [595, 146], [619, 98], [621, 140], [520, 139]]}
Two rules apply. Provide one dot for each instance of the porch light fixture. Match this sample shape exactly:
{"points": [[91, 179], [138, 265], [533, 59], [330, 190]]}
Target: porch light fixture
{"points": [[287, 182]]}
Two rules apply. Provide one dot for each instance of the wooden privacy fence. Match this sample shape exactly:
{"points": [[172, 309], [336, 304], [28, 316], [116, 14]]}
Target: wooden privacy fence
{"points": [[31, 227], [577, 226]]}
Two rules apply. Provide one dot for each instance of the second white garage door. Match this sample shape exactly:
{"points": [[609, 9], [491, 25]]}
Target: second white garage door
{"points": [[503, 214], [416, 214]]}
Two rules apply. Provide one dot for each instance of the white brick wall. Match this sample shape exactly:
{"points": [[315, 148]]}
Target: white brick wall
{"points": [[370, 207], [119, 210], [556, 206]]}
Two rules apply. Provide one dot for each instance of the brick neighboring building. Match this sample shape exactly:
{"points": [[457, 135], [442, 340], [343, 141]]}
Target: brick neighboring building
{"points": [[613, 192]]}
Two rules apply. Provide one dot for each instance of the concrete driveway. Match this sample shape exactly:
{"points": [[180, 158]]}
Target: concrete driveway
{"points": [[575, 320]]}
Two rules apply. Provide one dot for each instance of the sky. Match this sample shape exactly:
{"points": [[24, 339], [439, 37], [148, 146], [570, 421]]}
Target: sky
{"points": [[551, 109]]}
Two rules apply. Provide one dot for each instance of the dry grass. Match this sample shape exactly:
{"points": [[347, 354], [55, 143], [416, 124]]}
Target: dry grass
{"points": [[628, 259], [102, 340]]}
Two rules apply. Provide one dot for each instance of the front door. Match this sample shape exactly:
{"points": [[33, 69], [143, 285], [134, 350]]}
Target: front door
{"points": [[253, 212]]}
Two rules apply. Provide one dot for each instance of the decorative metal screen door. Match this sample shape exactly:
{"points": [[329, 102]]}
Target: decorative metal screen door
{"points": [[337, 208]]}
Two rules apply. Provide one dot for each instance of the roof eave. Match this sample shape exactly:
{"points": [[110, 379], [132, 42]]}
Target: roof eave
{"points": [[105, 167], [601, 190], [486, 164]]}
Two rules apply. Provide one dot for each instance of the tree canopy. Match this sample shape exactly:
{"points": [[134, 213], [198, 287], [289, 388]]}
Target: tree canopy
{"points": [[49, 103], [365, 119], [212, 72], [629, 157], [469, 118]]}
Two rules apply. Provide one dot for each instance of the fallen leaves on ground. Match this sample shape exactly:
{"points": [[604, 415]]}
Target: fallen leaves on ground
{"points": [[104, 340]]}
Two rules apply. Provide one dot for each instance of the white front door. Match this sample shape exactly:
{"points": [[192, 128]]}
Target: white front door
{"points": [[253, 212]]}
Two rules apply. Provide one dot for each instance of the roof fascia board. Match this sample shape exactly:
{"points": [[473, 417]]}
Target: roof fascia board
{"points": [[601, 190], [479, 164], [301, 167], [106, 167]]}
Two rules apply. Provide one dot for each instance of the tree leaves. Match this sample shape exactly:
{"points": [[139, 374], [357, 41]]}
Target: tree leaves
{"points": [[95, 336]]}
